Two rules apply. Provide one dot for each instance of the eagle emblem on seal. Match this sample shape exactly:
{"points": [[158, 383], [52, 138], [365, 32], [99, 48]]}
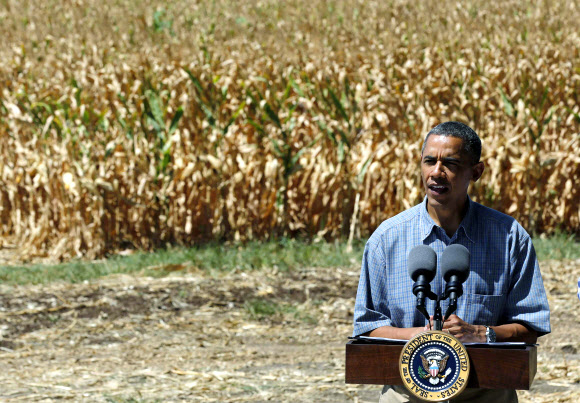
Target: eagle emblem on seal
{"points": [[434, 368]]}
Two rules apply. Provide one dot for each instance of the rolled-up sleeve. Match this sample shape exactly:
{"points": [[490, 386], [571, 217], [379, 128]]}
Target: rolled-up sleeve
{"points": [[370, 311], [527, 302]]}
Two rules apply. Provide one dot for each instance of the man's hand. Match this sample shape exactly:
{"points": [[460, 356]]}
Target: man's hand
{"points": [[464, 331]]}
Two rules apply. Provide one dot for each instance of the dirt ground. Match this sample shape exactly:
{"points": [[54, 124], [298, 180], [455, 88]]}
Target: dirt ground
{"points": [[193, 336]]}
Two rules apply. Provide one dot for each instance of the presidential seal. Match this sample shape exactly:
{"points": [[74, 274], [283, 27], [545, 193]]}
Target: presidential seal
{"points": [[434, 366]]}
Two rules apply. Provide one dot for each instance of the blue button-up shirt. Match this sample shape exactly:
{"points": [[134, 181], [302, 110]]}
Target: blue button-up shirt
{"points": [[504, 283]]}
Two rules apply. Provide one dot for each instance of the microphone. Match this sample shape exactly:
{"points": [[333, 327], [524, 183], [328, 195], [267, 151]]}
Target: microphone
{"points": [[422, 266], [455, 270]]}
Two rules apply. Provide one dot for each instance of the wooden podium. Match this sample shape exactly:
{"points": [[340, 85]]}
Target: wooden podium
{"points": [[491, 367]]}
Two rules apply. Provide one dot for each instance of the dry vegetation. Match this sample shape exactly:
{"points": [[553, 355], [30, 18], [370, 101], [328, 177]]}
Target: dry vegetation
{"points": [[142, 123], [133, 124], [240, 336]]}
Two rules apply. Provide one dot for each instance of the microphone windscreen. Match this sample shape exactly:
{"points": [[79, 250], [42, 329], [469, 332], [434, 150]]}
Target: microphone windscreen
{"points": [[455, 261], [422, 260]]}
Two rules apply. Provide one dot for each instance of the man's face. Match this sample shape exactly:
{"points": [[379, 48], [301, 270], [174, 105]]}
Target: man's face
{"points": [[446, 171]]}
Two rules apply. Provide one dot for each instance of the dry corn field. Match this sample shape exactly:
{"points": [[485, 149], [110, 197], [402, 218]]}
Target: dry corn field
{"points": [[136, 124]]}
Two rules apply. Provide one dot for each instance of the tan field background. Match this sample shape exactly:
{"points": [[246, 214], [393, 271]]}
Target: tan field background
{"points": [[134, 124], [254, 336], [141, 124]]}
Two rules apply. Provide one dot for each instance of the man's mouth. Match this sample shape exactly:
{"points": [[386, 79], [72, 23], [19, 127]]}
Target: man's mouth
{"points": [[438, 189]]}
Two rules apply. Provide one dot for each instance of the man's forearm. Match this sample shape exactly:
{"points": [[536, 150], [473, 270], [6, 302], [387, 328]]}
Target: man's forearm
{"points": [[391, 332], [515, 332], [509, 332]]}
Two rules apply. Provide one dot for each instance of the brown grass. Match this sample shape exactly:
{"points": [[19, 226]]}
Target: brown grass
{"points": [[126, 124]]}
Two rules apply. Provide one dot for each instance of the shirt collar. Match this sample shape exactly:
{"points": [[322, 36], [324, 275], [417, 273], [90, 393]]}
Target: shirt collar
{"points": [[468, 224]]}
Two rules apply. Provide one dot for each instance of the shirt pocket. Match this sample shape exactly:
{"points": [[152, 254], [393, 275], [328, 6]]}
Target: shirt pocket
{"points": [[481, 309]]}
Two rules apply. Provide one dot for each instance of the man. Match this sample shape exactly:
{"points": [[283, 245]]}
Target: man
{"points": [[504, 297]]}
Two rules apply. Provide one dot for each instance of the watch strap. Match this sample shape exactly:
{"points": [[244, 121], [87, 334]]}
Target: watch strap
{"points": [[489, 335]]}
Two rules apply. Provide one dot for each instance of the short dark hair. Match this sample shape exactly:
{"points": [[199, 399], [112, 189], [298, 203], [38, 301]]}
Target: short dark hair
{"points": [[471, 141]]}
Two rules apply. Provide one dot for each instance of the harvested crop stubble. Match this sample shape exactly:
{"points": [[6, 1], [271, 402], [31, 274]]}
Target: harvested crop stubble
{"points": [[126, 124], [262, 335]]}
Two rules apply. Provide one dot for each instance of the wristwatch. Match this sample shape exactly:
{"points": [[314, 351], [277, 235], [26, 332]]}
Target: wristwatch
{"points": [[489, 335]]}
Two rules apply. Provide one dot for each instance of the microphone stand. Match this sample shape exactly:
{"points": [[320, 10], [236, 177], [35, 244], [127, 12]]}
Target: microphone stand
{"points": [[427, 293], [437, 318]]}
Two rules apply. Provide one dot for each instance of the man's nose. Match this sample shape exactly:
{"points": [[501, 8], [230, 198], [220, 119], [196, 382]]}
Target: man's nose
{"points": [[438, 169]]}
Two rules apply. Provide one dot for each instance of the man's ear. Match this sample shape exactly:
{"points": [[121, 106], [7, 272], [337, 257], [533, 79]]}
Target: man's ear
{"points": [[477, 171]]}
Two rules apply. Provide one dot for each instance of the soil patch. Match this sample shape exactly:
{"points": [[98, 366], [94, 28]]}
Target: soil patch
{"points": [[250, 336]]}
